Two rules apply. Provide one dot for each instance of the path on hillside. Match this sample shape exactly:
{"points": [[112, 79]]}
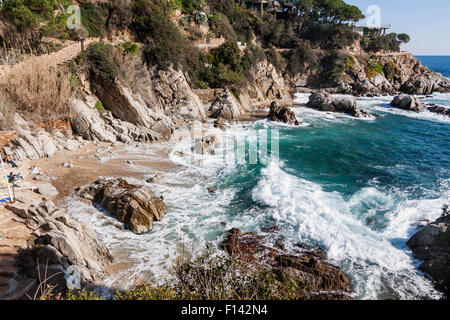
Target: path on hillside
{"points": [[393, 54], [53, 59]]}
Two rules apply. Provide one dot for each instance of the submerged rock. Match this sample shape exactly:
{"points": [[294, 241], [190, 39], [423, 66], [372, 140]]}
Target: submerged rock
{"points": [[205, 145], [158, 178], [282, 114], [408, 102], [136, 206], [439, 110]]}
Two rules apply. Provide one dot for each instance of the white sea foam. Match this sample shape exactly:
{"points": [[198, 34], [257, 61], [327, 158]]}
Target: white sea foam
{"points": [[375, 105], [372, 258], [377, 260]]}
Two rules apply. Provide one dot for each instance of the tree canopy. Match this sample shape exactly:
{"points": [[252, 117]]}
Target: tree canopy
{"points": [[403, 38]]}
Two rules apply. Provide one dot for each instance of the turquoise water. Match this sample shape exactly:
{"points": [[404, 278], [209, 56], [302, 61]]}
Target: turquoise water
{"points": [[357, 188]]}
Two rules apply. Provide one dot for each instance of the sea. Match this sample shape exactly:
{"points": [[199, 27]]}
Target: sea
{"points": [[357, 188]]}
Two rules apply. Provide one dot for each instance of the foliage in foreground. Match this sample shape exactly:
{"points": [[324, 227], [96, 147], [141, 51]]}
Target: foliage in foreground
{"points": [[207, 278]]}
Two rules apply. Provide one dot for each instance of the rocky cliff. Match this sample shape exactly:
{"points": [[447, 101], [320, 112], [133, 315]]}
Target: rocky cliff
{"points": [[431, 245], [362, 74]]}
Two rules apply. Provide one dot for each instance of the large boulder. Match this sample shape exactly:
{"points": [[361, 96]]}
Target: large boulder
{"points": [[225, 106], [324, 101], [282, 114], [408, 102], [61, 250], [426, 84], [205, 145], [263, 85], [432, 246], [304, 265], [136, 206], [88, 123], [47, 189]]}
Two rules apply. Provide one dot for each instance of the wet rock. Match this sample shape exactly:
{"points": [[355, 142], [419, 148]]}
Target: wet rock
{"points": [[324, 101], [432, 246], [205, 145], [212, 189], [220, 123], [308, 266], [136, 206], [282, 114], [439, 110], [158, 178], [408, 102]]}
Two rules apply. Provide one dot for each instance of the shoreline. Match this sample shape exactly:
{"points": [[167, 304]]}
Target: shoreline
{"points": [[88, 169]]}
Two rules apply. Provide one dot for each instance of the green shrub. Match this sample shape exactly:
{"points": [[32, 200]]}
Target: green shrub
{"points": [[387, 43], [349, 63], [226, 67], [99, 105], [93, 17], [101, 61], [129, 47], [146, 292], [56, 27], [300, 59], [389, 70], [165, 45], [374, 67], [403, 38], [29, 13], [187, 6], [329, 37], [333, 66]]}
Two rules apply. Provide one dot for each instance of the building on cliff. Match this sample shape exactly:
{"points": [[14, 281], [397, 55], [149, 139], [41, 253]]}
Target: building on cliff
{"points": [[371, 31]]}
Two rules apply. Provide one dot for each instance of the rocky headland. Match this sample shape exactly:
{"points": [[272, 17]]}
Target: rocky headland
{"points": [[431, 245]]}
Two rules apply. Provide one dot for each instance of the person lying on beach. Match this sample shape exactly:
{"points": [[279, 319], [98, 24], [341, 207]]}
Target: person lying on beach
{"points": [[10, 161], [14, 177]]}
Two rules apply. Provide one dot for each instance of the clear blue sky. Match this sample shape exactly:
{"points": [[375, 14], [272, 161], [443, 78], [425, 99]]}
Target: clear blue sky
{"points": [[426, 21]]}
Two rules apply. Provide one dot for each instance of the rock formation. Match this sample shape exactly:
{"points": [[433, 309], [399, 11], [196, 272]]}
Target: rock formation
{"points": [[225, 106], [307, 264], [324, 101], [432, 246], [38, 143], [60, 247], [408, 102], [205, 145], [406, 74], [282, 114], [264, 85], [136, 206], [438, 109]]}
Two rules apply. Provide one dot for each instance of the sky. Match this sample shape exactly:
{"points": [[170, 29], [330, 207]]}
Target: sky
{"points": [[426, 21]]}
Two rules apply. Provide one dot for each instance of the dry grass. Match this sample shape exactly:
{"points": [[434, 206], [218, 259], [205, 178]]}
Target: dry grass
{"points": [[40, 93]]}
